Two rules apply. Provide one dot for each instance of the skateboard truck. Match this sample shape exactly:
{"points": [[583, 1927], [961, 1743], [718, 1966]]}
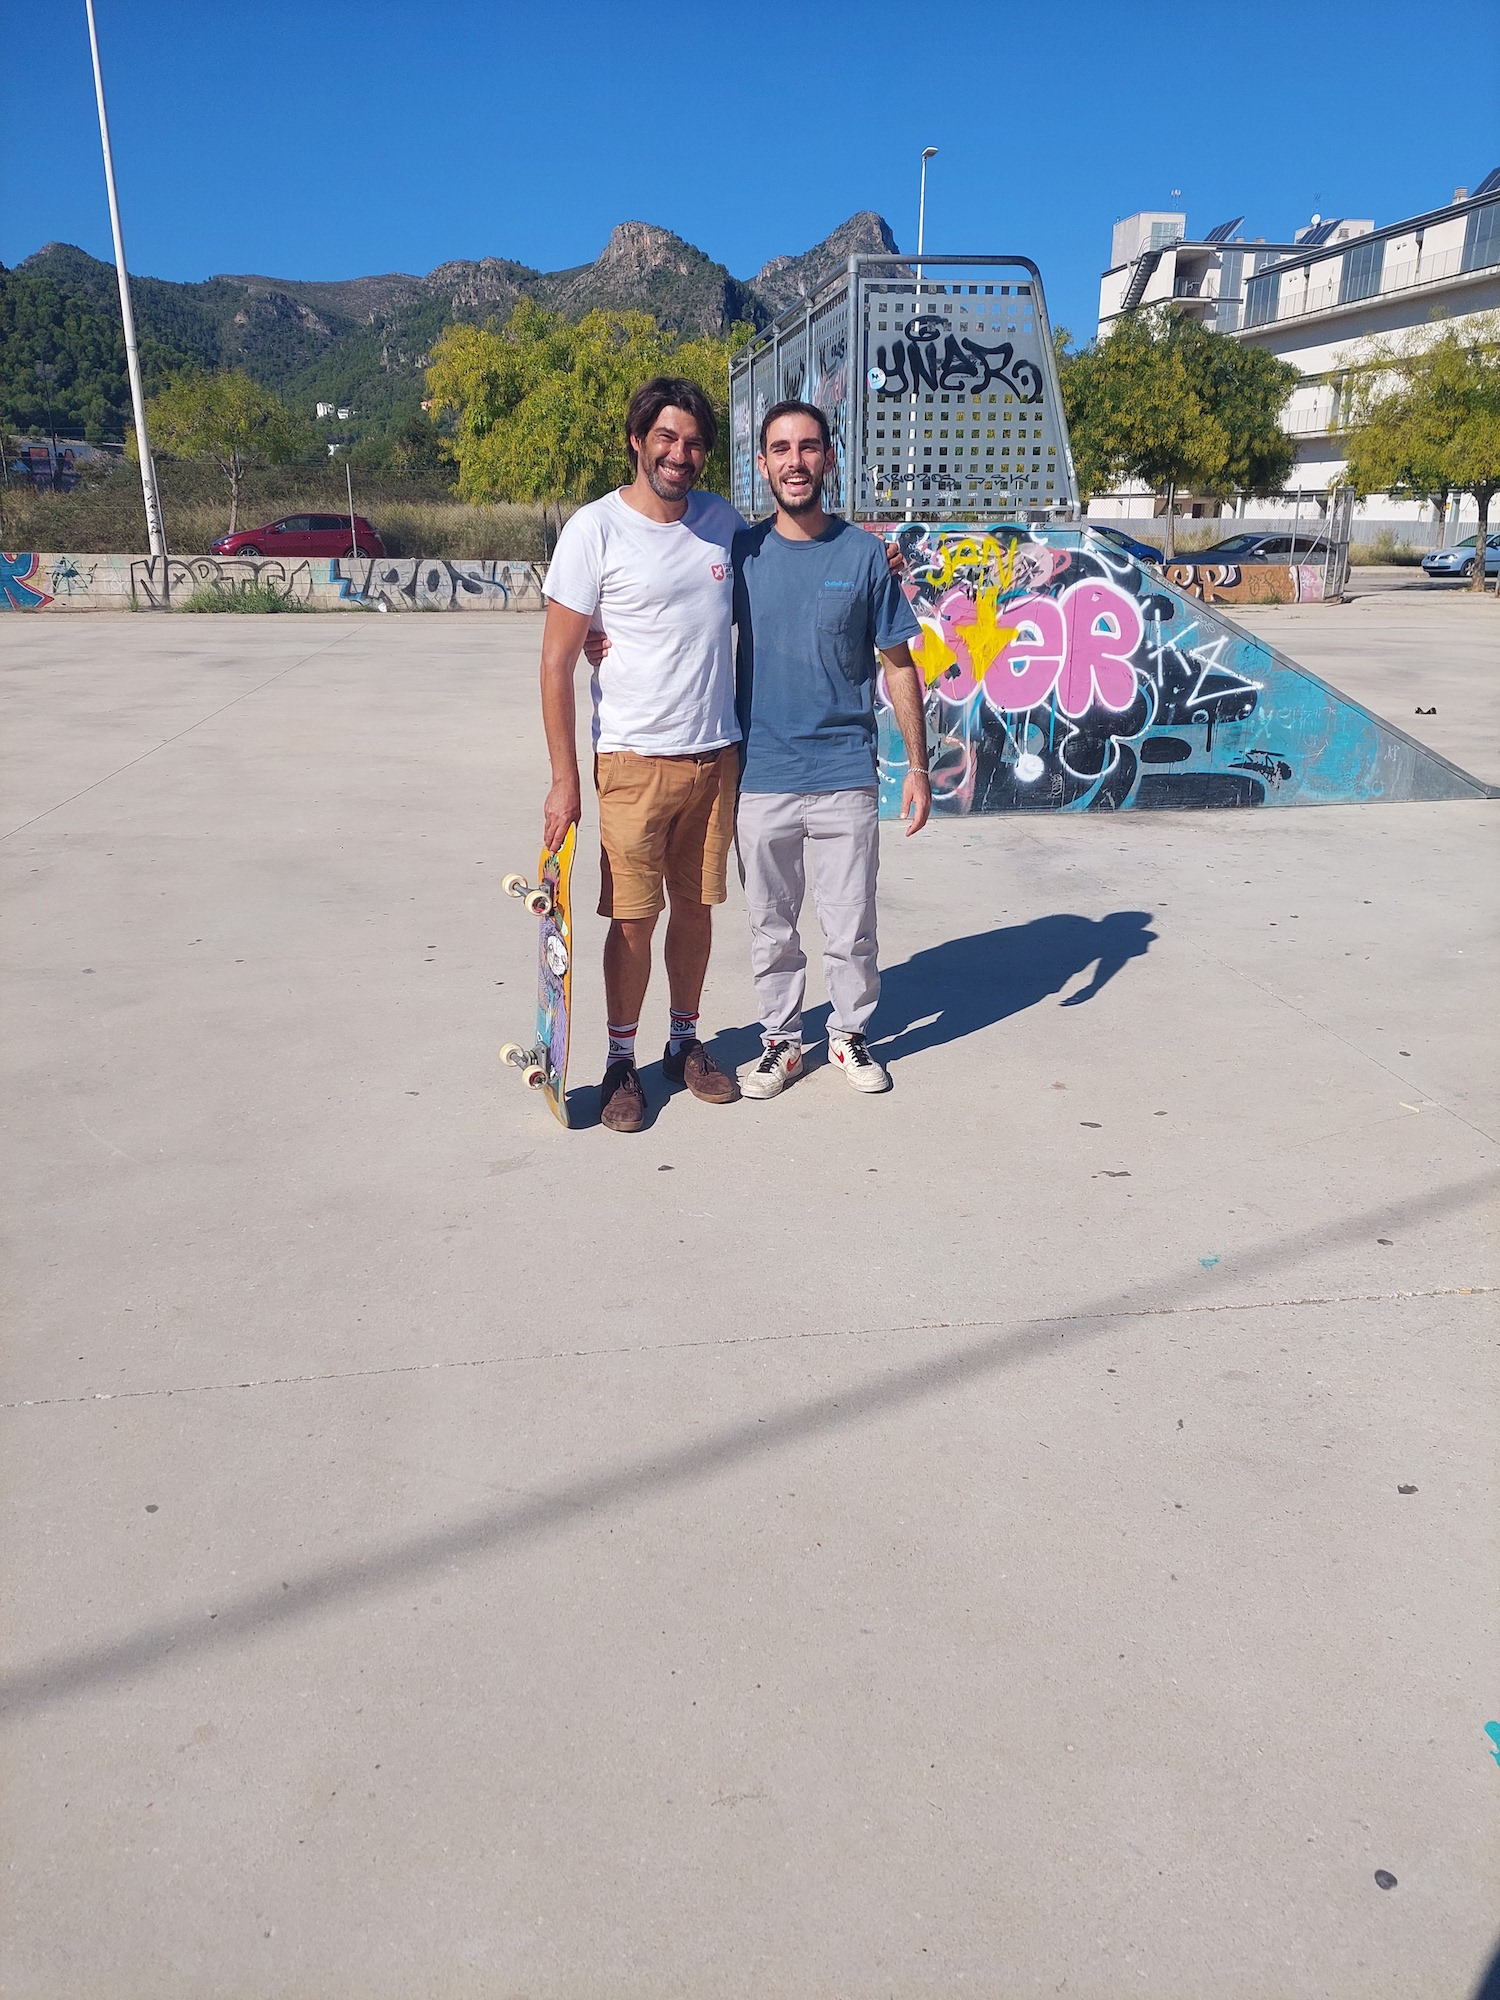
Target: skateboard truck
{"points": [[538, 901], [530, 1062]]}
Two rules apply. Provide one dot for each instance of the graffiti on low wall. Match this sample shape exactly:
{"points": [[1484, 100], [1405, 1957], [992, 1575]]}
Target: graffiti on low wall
{"points": [[158, 582], [430, 583], [31, 582], [1062, 676], [19, 587], [1248, 583]]}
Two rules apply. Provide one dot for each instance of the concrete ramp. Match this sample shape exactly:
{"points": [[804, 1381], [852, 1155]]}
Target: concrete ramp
{"points": [[1065, 677]]}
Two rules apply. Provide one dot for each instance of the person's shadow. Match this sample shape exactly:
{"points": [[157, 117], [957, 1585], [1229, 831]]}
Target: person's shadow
{"points": [[956, 988]]}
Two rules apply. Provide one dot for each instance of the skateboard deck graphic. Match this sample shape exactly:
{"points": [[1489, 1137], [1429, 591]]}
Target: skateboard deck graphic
{"points": [[544, 1064]]}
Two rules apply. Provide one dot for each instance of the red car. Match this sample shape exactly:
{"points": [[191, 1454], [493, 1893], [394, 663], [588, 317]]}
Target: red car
{"points": [[304, 535]]}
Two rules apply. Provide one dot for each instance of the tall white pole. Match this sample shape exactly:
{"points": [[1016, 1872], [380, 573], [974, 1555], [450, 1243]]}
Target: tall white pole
{"points": [[928, 153], [152, 499]]}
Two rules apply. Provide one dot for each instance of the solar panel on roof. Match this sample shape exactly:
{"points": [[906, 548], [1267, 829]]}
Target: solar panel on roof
{"points": [[1491, 183], [1224, 231]]}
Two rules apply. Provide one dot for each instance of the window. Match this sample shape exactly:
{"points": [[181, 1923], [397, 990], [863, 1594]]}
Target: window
{"points": [[1164, 235], [1263, 299], [1360, 278], [1231, 275], [1482, 238]]}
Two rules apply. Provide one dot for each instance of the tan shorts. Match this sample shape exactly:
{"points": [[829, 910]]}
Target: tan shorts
{"points": [[664, 823]]}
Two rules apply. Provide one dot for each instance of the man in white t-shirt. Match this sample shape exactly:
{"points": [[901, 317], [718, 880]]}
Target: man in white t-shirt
{"points": [[651, 565]]}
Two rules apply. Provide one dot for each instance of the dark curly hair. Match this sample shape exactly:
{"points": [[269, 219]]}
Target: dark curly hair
{"points": [[668, 392]]}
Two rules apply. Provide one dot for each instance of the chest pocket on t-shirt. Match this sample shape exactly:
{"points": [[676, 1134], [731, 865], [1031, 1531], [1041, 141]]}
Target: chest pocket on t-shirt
{"points": [[842, 639]]}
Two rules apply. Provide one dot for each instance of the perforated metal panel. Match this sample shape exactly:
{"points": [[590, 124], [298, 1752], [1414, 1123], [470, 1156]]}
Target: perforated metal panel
{"points": [[950, 409]]}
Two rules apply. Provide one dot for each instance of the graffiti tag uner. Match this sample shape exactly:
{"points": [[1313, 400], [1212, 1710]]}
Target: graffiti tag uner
{"points": [[965, 363], [160, 581], [428, 583]]}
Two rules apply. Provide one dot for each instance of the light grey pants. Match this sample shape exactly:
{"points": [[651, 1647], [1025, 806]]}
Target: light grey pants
{"points": [[773, 831]]}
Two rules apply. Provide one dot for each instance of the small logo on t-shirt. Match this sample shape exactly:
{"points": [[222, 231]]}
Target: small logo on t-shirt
{"points": [[720, 571]]}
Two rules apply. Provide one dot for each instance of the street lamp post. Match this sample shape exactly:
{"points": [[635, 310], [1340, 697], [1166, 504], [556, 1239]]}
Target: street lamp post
{"points": [[928, 153], [154, 529]]}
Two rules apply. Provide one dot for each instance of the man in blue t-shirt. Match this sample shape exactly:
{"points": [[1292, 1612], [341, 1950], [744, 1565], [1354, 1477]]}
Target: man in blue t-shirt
{"points": [[814, 600]]}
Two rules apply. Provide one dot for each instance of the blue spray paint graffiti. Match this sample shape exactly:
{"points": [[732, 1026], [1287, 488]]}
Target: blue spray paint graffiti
{"points": [[1063, 677], [16, 593]]}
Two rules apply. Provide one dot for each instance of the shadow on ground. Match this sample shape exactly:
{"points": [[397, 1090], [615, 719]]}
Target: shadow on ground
{"points": [[965, 984], [686, 1462], [942, 994]]}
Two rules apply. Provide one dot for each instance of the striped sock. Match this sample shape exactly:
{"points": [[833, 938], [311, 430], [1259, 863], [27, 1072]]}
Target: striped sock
{"points": [[622, 1042], [684, 1030]]}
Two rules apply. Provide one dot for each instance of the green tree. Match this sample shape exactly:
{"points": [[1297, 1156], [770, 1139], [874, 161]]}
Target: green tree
{"points": [[1425, 420], [538, 405], [230, 421], [1163, 400]]}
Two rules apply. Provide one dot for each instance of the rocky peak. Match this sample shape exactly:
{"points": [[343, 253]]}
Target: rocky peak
{"points": [[784, 280], [636, 249]]}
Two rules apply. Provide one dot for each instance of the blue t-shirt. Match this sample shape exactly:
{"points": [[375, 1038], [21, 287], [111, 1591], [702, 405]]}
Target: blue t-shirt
{"points": [[810, 615]]}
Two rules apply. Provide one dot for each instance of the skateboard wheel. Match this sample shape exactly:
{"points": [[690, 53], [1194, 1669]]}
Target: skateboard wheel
{"points": [[514, 1055], [534, 1075], [539, 902], [514, 885]]}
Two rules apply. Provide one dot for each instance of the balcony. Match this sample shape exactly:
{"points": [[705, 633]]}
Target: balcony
{"points": [[1322, 292]]}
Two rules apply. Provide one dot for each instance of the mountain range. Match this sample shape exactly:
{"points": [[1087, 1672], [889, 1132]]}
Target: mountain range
{"points": [[357, 342]]}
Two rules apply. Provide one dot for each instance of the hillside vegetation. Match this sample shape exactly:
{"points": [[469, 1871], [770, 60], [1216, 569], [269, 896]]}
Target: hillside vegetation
{"points": [[364, 343]]}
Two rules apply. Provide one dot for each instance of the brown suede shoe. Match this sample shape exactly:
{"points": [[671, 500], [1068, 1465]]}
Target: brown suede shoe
{"points": [[622, 1102], [695, 1067]]}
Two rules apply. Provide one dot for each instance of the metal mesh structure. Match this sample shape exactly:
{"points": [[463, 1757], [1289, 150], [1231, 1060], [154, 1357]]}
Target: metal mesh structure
{"points": [[948, 409]]}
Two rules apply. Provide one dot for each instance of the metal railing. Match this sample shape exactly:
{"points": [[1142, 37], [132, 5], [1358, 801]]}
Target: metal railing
{"points": [[1322, 295]]}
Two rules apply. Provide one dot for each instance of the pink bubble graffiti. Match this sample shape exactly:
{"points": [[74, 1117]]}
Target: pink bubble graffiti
{"points": [[1078, 646]]}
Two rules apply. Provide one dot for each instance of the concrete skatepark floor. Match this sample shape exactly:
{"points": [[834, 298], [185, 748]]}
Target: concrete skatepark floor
{"points": [[1031, 1532]]}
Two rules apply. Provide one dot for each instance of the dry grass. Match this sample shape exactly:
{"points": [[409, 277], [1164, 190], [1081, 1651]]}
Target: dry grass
{"points": [[417, 517], [257, 597]]}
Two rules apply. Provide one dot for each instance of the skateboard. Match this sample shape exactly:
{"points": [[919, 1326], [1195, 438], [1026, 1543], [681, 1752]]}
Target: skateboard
{"points": [[544, 1065]]}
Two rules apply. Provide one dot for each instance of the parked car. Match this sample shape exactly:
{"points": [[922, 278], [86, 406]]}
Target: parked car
{"points": [[1271, 548], [1145, 552], [1459, 560], [304, 535]]}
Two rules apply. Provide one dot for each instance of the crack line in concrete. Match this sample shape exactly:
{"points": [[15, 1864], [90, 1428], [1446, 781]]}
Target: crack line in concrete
{"points": [[492, 1530], [742, 1340], [316, 653]]}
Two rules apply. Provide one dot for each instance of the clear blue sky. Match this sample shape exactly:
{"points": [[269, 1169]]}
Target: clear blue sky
{"points": [[331, 140]]}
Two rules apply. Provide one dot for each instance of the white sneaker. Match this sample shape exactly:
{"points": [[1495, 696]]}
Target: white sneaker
{"points": [[851, 1054], [780, 1065]]}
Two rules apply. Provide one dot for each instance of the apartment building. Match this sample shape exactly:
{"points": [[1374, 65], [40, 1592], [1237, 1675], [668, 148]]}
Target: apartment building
{"points": [[1313, 302]]}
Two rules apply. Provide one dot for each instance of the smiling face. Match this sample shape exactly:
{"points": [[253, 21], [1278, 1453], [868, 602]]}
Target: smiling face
{"points": [[672, 454], [793, 463]]}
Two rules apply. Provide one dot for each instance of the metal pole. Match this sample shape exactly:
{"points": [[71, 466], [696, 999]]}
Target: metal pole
{"points": [[353, 532], [928, 153], [154, 528]]}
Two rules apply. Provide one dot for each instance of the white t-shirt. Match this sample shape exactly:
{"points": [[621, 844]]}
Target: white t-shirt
{"points": [[664, 592]]}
